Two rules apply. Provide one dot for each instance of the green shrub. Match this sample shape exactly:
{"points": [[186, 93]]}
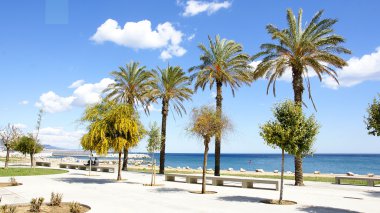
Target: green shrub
{"points": [[35, 204], [55, 199]]}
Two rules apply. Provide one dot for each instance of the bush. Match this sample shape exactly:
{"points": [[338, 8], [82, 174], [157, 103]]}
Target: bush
{"points": [[8, 209], [13, 181], [35, 204], [55, 199], [74, 207]]}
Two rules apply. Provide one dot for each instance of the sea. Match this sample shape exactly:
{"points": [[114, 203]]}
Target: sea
{"points": [[325, 163]]}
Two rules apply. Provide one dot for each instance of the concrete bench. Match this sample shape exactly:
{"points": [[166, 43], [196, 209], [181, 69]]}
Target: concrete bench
{"points": [[219, 181], [84, 167], [43, 163], [189, 178], [370, 180], [245, 182]]}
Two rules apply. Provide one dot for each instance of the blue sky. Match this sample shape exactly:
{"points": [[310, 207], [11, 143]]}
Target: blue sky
{"points": [[47, 45]]}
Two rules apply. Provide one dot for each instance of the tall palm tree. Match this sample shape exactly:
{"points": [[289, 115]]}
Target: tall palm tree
{"points": [[132, 87], [172, 87], [223, 63], [314, 47]]}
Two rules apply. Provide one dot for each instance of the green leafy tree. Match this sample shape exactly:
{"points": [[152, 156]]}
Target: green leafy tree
{"points": [[133, 86], [289, 130], [154, 145], [114, 126], [205, 124], [302, 49], [173, 88], [28, 145], [372, 120], [223, 64], [9, 136]]}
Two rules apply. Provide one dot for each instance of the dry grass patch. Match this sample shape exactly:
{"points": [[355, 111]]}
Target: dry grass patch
{"points": [[9, 184], [45, 208]]}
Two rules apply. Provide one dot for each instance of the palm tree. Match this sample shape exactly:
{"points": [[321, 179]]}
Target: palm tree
{"points": [[172, 87], [302, 49], [223, 63], [132, 87]]}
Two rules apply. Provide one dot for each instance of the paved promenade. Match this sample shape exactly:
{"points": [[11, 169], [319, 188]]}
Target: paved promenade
{"points": [[104, 194]]}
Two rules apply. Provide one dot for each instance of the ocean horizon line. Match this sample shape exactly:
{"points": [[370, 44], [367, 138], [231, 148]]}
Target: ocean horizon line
{"points": [[235, 153]]}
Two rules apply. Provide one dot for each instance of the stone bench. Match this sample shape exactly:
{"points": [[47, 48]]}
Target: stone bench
{"points": [[189, 178], [219, 180], [43, 163], [245, 182], [84, 167], [370, 180]]}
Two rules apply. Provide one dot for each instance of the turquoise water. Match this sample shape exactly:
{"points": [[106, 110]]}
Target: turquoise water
{"points": [[325, 163]]}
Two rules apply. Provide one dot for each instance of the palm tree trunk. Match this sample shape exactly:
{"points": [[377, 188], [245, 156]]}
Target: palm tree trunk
{"points": [[299, 172], [119, 168], [206, 142], [218, 136], [298, 91], [6, 158], [282, 174], [126, 151], [125, 159], [165, 110]]}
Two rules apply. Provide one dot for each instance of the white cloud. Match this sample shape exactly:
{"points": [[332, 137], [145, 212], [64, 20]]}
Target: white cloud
{"points": [[83, 95], [194, 7], [139, 35], [77, 84], [172, 51], [365, 68], [51, 102], [20, 126], [59, 137], [191, 37], [254, 64], [24, 102], [90, 93]]}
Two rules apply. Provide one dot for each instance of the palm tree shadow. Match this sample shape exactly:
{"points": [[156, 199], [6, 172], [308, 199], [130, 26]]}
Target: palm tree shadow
{"points": [[373, 193], [167, 190], [88, 180], [323, 209], [245, 199]]}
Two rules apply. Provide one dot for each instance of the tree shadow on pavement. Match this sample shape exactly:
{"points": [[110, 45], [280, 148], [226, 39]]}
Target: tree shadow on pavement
{"points": [[88, 180], [241, 199], [323, 209], [373, 193], [168, 190]]}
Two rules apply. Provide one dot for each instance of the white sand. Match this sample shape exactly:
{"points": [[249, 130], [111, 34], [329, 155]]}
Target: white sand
{"points": [[103, 194]]}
